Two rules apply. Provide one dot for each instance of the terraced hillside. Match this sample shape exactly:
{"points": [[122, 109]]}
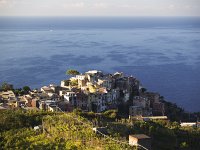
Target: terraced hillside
{"points": [[58, 131]]}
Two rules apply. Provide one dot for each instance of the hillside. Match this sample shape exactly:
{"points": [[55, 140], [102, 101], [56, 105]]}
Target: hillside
{"points": [[59, 131], [70, 131]]}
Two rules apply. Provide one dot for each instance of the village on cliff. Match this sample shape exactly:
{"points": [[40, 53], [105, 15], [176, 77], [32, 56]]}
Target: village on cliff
{"points": [[91, 91]]}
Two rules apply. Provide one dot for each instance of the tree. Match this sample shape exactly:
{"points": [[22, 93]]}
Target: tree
{"points": [[17, 92], [72, 72], [143, 90], [26, 88], [5, 86]]}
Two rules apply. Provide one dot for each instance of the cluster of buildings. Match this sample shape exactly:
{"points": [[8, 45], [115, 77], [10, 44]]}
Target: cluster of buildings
{"points": [[95, 91], [146, 104], [91, 91], [8, 99]]}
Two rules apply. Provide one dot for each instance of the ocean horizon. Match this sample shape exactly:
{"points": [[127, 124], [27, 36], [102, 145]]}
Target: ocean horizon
{"points": [[162, 52]]}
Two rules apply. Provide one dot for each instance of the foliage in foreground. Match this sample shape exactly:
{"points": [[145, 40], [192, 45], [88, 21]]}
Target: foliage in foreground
{"points": [[70, 131], [165, 135], [17, 119], [60, 131]]}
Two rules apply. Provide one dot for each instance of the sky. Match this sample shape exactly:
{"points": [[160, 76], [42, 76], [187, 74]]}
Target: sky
{"points": [[99, 7]]}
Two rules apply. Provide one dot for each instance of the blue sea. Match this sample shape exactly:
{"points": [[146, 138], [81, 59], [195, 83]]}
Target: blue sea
{"points": [[163, 53]]}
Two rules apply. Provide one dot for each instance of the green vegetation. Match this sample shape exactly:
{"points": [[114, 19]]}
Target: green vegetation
{"points": [[176, 113], [165, 135], [18, 91], [26, 89], [112, 114], [71, 131], [72, 72], [17, 119], [5, 86], [143, 90], [59, 131], [73, 82], [22, 91]]}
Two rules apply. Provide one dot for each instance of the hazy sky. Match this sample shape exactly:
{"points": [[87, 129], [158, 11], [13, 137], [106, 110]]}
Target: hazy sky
{"points": [[100, 7]]}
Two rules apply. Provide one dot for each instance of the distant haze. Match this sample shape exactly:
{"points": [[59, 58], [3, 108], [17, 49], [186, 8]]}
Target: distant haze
{"points": [[99, 7]]}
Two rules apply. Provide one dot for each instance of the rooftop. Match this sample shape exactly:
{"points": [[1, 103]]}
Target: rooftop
{"points": [[140, 136], [92, 71], [2, 108]]}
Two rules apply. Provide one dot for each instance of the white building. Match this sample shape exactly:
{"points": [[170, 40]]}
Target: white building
{"points": [[71, 98], [188, 124], [80, 77]]}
